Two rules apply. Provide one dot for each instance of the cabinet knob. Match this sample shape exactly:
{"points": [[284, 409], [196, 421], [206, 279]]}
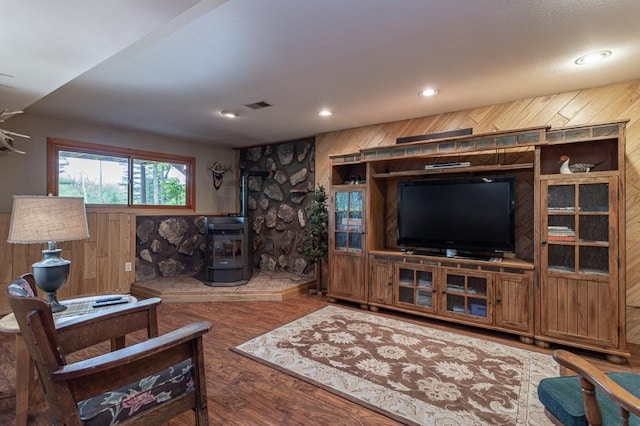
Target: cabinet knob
{"points": [[389, 284], [444, 291], [543, 242], [498, 299], [433, 290]]}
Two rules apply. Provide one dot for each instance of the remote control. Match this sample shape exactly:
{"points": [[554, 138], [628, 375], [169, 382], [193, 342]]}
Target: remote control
{"points": [[107, 299], [118, 301]]}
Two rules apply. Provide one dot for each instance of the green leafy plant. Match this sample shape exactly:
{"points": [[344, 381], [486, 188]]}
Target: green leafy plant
{"points": [[314, 244]]}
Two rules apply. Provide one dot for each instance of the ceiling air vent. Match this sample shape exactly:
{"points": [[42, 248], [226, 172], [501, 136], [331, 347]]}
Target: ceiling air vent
{"points": [[258, 105]]}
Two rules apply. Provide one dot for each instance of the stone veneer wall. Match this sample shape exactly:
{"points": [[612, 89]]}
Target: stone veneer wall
{"points": [[169, 246], [277, 204]]}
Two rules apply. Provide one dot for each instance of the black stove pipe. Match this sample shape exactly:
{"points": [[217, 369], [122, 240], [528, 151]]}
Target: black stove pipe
{"points": [[245, 190]]}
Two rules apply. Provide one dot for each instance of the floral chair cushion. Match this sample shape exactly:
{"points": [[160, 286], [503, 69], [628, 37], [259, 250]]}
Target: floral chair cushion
{"points": [[20, 288], [115, 406]]}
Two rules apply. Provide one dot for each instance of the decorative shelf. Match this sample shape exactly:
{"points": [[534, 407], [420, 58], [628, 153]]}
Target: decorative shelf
{"points": [[470, 169], [463, 144], [586, 132]]}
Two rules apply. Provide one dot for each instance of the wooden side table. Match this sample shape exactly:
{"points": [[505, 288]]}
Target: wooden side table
{"points": [[69, 323]]}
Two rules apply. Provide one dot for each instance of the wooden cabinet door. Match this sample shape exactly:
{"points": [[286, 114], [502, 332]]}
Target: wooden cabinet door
{"points": [[381, 279], [347, 244], [513, 302], [466, 295], [416, 287], [578, 298], [346, 280]]}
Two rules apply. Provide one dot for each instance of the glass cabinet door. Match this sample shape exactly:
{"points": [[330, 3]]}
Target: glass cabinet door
{"points": [[466, 294], [577, 228], [348, 220], [415, 286]]}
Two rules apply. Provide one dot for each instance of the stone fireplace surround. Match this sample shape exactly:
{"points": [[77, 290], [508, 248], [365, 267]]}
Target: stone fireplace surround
{"points": [[276, 206]]}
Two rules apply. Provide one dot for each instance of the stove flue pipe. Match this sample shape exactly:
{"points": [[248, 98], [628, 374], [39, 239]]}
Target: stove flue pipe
{"points": [[245, 190]]}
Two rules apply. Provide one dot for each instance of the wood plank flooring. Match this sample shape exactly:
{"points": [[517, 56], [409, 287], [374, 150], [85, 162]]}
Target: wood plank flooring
{"points": [[241, 391]]}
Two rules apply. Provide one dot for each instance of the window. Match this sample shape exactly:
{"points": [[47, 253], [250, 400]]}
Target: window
{"points": [[106, 175]]}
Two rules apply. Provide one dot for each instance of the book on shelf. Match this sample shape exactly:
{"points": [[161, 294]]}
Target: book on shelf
{"points": [[560, 233], [561, 238], [562, 209]]}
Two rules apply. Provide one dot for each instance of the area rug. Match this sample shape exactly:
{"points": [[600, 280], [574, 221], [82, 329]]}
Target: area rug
{"points": [[411, 373]]}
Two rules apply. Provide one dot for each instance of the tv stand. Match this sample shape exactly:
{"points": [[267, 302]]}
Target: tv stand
{"points": [[457, 289]]}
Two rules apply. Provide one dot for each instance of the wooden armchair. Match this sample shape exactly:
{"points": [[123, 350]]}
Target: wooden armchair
{"points": [[591, 397], [146, 383]]}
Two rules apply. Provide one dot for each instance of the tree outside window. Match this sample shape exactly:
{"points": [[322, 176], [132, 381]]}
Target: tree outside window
{"points": [[106, 175]]}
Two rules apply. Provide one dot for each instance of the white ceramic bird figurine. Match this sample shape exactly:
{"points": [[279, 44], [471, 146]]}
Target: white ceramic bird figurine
{"points": [[566, 168]]}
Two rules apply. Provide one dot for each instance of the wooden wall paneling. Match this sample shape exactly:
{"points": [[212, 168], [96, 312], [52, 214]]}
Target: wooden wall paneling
{"points": [[391, 213], [90, 271], [515, 112], [114, 264], [375, 230], [6, 272], [20, 259], [633, 317], [624, 98], [127, 249], [572, 109], [73, 285], [525, 193], [102, 251], [544, 109]]}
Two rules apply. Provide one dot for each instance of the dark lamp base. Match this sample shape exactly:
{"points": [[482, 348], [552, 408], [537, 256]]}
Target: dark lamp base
{"points": [[50, 275]]}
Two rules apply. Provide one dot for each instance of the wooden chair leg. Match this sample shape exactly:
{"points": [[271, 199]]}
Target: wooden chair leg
{"points": [[25, 381]]}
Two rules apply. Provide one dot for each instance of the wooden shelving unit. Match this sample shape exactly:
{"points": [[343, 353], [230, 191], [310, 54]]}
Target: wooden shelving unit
{"points": [[553, 290]]}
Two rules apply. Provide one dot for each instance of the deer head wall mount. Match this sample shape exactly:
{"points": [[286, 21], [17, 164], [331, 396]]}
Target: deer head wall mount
{"points": [[218, 169]]}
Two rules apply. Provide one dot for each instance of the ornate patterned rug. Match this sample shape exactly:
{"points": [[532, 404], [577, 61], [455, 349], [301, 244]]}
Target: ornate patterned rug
{"points": [[411, 373]]}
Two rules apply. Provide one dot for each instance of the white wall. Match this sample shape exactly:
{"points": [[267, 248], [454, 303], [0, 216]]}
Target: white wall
{"points": [[26, 174]]}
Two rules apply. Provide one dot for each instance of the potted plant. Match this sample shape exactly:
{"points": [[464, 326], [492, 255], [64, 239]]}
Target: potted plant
{"points": [[314, 245]]}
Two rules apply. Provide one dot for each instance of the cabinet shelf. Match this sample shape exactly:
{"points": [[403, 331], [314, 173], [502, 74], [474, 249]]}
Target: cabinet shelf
{"points": [[470, 169], [579, 243], [558, 212]]}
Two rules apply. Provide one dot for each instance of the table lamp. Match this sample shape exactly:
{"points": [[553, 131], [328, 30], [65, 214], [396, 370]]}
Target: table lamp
{"points": [[47, 219]]}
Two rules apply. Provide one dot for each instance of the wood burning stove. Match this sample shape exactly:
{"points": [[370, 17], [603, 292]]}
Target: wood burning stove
{"points": [[228, 261], [229, 247]]}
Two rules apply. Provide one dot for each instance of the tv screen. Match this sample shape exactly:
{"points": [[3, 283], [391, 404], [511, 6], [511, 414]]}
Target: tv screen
{"points": [[467, 214]]}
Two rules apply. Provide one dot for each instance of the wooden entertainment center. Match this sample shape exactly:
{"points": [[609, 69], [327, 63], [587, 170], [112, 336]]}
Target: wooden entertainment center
{"points": [[565, 281]]}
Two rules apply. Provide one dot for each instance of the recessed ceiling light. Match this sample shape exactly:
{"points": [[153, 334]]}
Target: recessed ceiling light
{"points": [[427, 92], [594, 57], [325, 113], [229, 114]]}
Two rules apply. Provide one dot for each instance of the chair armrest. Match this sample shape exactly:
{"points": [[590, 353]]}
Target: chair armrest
{"points": [[87, 330], [598, 379], [114, 369]]}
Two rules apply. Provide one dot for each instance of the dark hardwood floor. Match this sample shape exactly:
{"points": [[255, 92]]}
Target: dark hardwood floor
{"points": [[242, 391]]}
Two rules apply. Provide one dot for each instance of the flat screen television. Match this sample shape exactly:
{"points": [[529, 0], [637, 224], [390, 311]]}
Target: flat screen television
{"points": [[474, 215]]}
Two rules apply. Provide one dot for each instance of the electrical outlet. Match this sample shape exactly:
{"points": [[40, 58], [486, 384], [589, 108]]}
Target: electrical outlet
{"points": [[127, 266]]}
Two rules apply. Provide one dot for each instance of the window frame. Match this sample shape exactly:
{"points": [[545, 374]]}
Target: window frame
{"points": [[55, 145]]}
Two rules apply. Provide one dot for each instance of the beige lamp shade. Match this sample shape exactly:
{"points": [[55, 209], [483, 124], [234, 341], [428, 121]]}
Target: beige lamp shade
{"points": [[40, 219]]}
